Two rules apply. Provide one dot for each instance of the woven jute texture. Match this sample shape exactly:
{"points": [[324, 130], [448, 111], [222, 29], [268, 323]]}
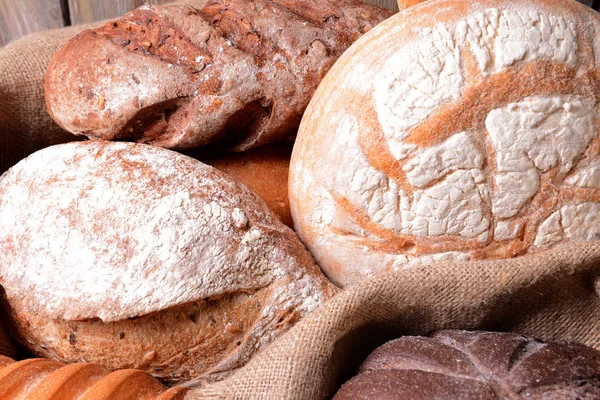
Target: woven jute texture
{"points": [[550, 296]]}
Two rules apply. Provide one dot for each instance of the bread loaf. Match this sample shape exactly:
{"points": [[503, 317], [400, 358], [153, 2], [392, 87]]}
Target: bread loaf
{"points": [[42, 379], [133, 256], [454, 131], [264, 170], [476, 365], [180, 77]]}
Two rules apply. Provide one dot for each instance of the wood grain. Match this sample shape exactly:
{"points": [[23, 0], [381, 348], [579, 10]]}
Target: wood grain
{"points": [[391, 4], [86, 11], [20, 17]]}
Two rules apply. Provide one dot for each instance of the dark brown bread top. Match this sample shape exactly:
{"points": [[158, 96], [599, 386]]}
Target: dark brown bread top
{"points": [[180, 77], [476, 365]]}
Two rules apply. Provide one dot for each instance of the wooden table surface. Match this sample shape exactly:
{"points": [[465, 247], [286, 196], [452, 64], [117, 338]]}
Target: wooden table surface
{"points": [[20, 17]]}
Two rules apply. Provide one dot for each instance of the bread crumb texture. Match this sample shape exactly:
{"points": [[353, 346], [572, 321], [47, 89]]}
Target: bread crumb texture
{"points": [[464, 130]]}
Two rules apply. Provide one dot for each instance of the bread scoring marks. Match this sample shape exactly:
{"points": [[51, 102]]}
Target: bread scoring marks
{"points": [[432, 163], [118, 230], [448, 193], [577, 222], [499, 39], [530, 138], [454, 206], [416, 81]]}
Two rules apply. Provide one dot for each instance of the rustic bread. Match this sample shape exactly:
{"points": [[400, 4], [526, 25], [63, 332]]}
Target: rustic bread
{"points": [[133, 256], [264, 170], [476, 365], [454, 131], [43, 379], [180, 77]]}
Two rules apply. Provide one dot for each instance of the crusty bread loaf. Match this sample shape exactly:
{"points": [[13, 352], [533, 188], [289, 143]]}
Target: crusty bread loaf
{"points": [[264, 170], [476, 365], [180, 77], [133, 256], [43, 379], [454, 131]]}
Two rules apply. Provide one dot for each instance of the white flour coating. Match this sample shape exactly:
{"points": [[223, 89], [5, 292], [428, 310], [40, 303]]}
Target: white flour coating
{"points": [[415, 82], [119, 230], [450, 256], [499, 39], [429, 164], [578, 222], [505, 230], [588, 176], [452, 207], [383, 196], [531, 137], [469, 187]]}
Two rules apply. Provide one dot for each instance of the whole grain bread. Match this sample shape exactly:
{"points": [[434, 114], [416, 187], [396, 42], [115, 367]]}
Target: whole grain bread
{"points": [[133, 256], [476, 365], [454, 131], [179, 77]]}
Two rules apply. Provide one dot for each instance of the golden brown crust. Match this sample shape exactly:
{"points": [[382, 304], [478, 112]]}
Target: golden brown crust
{"points": [[43, 379], [181, 77]]}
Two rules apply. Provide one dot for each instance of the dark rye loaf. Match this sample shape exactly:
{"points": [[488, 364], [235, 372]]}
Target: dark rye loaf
{"points": [[476, 365]]}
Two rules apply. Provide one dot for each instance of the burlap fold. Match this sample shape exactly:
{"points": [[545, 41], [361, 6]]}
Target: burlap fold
{"points": [[550, 296]]}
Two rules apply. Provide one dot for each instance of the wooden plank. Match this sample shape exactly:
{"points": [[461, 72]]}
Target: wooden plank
{"points": [[20, 17], [86, 11], [391, 4]]}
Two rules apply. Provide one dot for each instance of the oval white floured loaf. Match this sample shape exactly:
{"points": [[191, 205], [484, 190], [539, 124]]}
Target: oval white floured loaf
{"points": [[454, 131], [133, 256]]}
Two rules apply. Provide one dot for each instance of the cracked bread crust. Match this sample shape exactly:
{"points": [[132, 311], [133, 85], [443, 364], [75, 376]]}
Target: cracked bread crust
{"points": [[454, 131], [476, 365], [179, 77], [134, 256]]}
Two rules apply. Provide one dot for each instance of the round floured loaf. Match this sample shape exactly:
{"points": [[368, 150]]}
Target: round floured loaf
{"points": [[476, 365], [454, 131], [133, 256]]}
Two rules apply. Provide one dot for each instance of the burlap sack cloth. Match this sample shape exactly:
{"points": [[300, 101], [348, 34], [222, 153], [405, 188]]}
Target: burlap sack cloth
{"points": [[550, 296]]}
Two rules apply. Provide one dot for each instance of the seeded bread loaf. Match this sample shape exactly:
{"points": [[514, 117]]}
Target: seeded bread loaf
{"points": [[133, 256], [454, 131], [476, 365], [180, 77]]}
